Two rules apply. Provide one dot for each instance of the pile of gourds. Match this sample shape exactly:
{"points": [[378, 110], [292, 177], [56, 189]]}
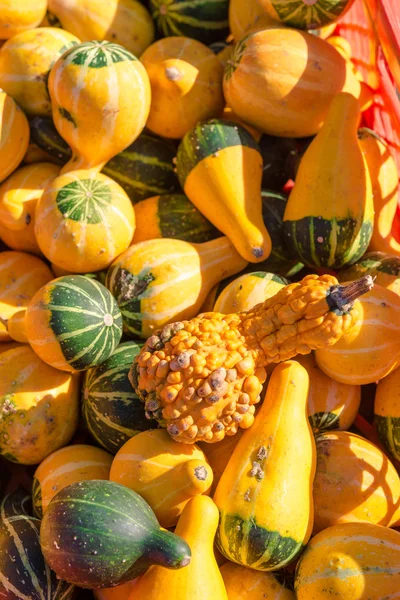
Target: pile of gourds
{"points": [[199, 306]]}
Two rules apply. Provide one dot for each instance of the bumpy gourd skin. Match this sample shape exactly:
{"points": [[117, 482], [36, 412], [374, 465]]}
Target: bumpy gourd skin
{"points": [[202, 378]]}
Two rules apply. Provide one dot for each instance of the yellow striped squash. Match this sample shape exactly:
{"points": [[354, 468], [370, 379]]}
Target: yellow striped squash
{"points": [[14, 135], [25, 63], [84, 220], [19, 195], [100, 97], [244, 292], [17, 16], [352, 561], [164, 280], [79, 462], [39, 406], [387, 413], [21, 276]]}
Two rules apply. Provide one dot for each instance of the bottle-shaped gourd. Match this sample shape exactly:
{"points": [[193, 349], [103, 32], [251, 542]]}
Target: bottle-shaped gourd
{"points": [[220, 169], [329, 216], [210, 369]]}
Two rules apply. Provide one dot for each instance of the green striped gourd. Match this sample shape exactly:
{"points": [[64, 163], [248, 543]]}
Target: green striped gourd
{"points": [[306, 14], [387, 413], [385, 269], [16, 503], [143, 169], [204, 20], [99, 534], [112, 411]]}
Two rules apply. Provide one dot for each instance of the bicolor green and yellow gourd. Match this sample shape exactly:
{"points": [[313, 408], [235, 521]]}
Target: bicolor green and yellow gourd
{"points": [[384, 268], [14, 140], [303, 14], [387, 413]]}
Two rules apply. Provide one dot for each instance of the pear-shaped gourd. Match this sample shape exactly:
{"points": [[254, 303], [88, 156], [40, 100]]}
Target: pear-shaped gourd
{"points": [[328, 219], [265, 493], [201, 580], [220, 169]]}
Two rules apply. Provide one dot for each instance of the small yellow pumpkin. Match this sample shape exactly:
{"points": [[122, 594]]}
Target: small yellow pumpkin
{"points": [[248, 584], [14, 135], [248, 290], [20, 15]]}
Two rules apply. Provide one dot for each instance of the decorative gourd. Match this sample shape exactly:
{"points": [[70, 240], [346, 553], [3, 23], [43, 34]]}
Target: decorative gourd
{"points": [[265, 493], [24, 78], [201, 580], [204, 20], [342, 45], [205, 375], [16, 17], [166, 474], [39, 407], [70, 464], [229, 115], [160, 281], [282, 80], [100, 534], [34, 154], [120, 592], [247, 584], [14, 131], [218, 456], [4, 346], [248, 16], [171, 216], [371, 349], [384, 268], [331, 405], [100, 98], [385, 180], [19, 195], [124, 22], [186, 85], [333, 232], [83, 221], [357, 561], [220, 169], [387, 413], [248, 290], [112, 412], [21, 276], [73, 323], [306, 14], [16, 503]]}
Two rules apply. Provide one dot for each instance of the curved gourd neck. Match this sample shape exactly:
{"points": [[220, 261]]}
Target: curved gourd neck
{"points": [[198, 521], [78, 163], [166, 550], [343, 117]]}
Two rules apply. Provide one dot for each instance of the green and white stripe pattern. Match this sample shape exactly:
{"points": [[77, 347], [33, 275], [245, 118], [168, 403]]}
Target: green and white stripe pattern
{"points": [[85, 200], [96, 55], [85, 320], [112, 411], [309, 14]]}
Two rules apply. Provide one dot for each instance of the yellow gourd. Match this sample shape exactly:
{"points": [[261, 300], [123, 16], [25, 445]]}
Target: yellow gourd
{"points": [[201, 579], [218, 455], [247, 16], [120, 592], [14, 135], [20, 15], [248, 290], [247, 584]]}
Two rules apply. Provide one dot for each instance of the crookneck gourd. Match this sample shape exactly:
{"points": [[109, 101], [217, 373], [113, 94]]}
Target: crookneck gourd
{"points": [[201, 378]]}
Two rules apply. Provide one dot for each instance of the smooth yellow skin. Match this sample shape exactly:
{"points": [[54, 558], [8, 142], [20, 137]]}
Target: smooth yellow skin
{"points": [[229, 115], [109, 106], [226, 188], [186, 85], [201, 579], [387, 397], [120, 592], [82, 247], [282, 500], [124, 22], [25, 62], [71, 464], [19, 15], [247, 584], [371, 349], [40, 406], [353, 561], [14, 135], [218, 455], [162, 472], [245, 292], [19, 195], [146, 215], [21, 276], [247, 16]]}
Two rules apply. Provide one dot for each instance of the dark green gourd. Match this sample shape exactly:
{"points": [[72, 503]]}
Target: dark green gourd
{"points": [[18, 502], [99, 534]]}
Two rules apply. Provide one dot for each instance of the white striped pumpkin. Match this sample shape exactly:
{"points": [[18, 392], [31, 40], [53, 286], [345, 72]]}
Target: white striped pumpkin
{"points": [[20, 15], [14, 135], [100, 96]]}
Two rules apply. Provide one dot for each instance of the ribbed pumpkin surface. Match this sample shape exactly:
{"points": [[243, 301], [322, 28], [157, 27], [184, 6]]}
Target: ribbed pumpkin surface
{"points": [[14, 135]]}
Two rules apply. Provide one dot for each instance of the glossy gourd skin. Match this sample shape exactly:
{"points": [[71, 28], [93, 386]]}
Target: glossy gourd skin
{"points": [[79, 462], [25, 78], [15, 135], [186, 85], [87, 78], [248, 16], [354, 481], [306, 15], [247, 584], [201, 580], [361, 564], [19, 195], [265, 493], [124, 22], [163, 280], [220, 170], [333, 232], [39, 405], [16, 16], [120, 592], [248, 290], [218, 456], [387, 413], [331, 404], [371, 349], [282, 80], [385, 268], [166, 474]]}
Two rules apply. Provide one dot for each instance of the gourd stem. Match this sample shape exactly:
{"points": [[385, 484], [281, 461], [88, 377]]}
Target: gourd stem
{"points": [[341, 297]]}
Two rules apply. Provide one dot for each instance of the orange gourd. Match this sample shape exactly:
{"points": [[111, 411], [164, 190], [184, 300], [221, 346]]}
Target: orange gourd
{"points": [[120, 592], [384, 268], [17, 16], [247, 584], [218, 455], [14, 135], [247, 16]]}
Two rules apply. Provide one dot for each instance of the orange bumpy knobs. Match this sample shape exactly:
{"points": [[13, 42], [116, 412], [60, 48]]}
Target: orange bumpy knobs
{"points": [[202, 378]]}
